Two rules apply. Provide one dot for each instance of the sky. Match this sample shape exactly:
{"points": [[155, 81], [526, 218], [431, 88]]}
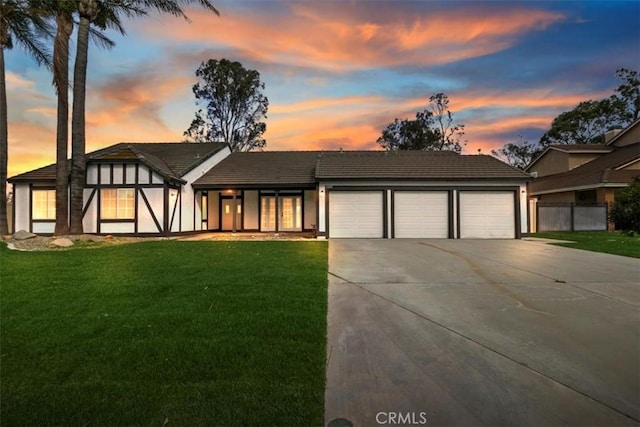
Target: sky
{"points": [[337, 72]]}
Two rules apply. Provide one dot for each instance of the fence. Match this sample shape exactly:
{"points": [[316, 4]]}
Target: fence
{"points": [[571, 217]]}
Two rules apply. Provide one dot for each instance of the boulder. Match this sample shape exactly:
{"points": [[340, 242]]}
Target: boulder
{"points": [[23, 235], [61, 242]]}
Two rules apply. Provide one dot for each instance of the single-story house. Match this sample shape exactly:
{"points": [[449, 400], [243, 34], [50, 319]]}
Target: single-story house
{"points": [[165, 189]]}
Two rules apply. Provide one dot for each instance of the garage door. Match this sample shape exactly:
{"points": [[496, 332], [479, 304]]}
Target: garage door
{"points": [[355, 214], [487, 215], [421, 214]]}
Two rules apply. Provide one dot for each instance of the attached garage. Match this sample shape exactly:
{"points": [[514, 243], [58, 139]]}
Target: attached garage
{"points": [[487, 215], [356, 214], [421, 214]]}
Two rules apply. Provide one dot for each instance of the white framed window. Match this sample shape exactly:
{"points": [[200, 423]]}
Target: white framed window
{"points": [[117, 203], [43, 204]]}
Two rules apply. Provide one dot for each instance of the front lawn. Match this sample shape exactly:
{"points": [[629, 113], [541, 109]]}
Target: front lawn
{"points": [[166, 332], [598, 241]]}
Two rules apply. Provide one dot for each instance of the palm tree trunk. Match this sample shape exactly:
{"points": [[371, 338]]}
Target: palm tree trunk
{"points": [[61, 80], [78, 164], [4, 145]]}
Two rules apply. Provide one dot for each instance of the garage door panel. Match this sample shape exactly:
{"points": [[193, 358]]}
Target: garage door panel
{"points": [[487, 215], [421, 214], [356, 214]]}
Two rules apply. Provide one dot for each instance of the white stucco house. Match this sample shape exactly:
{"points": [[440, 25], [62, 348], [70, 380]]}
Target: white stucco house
{"points": [[174, 188]]}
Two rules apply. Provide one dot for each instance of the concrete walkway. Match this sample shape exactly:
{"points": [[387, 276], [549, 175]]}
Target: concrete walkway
{"points": [[502, 332]]}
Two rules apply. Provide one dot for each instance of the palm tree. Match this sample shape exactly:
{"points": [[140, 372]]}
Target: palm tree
{"points": [[101, 13], [22, 24], [64, 28]]}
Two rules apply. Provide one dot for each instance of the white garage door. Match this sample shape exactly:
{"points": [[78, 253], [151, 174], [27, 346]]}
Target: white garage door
{"points": [[421, 214], [355, 214], [487, 215]]}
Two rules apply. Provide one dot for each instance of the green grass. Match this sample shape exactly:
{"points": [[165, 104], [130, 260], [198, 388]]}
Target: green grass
{"points": [[597, 241], [189, 333]]}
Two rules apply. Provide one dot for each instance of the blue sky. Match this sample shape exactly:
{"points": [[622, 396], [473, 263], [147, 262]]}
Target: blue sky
{"points": [[337, 71]]}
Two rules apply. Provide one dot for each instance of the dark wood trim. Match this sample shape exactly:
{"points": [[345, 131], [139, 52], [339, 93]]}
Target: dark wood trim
{"points": [[124, 173], [30, 208], [326, 212], [124, 185], [118, 221], [165, 206], [13, 210], [450, 214], [277, 212], [173, 212], [137, 174], [458, 214], [111, 181], [136, 191], [86, 206], [393, 214], [153, 215], [518, 230], [385, 216]]}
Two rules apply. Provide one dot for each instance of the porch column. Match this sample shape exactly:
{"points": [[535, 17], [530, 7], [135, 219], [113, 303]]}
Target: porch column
{"points": [[234, 212]]}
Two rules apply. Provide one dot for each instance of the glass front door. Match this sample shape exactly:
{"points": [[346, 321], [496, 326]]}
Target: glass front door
{"points": [[290, 213]]}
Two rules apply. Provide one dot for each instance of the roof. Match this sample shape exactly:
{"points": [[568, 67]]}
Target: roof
{"points": [[572, 149], [623, 132], [279, 169], [596, 173], [170, 159], [424, 165], [270, 168]]}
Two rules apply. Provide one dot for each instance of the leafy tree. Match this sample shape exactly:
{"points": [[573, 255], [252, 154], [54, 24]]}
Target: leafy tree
{"points": [[585, 124], [517, 154], [432, 130], [20, 23], [104, 14], [626, 208], [410, 134], [234, 106], [628, 94]]}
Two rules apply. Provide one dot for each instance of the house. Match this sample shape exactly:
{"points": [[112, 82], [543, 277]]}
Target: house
{"points": [[141, 188], [586, 174], [358, 194]]}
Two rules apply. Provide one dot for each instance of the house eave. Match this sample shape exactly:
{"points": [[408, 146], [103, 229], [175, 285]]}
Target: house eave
{"points": [[580, 188]]}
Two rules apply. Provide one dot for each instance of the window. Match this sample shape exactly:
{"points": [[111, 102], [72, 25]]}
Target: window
{"points": [[44, 204], [117, 203]]}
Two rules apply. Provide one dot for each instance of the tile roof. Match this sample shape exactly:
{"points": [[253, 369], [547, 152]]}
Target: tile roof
{"points": [[427, 165], [266, 168], [593, 174], [172, 160]]}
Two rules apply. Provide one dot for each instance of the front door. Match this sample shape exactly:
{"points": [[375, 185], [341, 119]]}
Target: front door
{"points": [[290, 213], [228, 214]]}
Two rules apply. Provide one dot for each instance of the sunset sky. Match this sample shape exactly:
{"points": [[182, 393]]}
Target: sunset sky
{"points": [[336, 72]]}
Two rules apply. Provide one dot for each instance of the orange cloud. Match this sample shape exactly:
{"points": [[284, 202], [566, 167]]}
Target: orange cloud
{"points": [[312, 34]]}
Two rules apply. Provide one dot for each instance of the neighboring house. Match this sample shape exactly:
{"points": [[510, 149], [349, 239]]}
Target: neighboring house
{"points": [[586, 174], [371, 194]]}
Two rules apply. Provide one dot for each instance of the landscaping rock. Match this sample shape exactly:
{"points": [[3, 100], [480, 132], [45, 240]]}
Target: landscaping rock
{"points": [[62, 242], [96, 239], [23, 235]]}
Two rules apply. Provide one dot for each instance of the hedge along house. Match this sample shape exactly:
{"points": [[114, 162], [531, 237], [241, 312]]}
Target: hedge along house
{"points": [[365, 194], [131, 188]]}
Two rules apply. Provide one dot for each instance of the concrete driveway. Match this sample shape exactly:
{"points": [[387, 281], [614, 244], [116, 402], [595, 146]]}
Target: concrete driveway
{"points": [[481, 332]]}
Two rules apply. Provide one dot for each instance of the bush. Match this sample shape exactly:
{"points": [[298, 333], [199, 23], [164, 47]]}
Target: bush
{"points": [[626, 209]]}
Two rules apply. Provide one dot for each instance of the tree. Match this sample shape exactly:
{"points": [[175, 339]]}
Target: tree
{"points": [[104, 14], [628, 94], [517, 154], [626, 208], [22, 24], [432, 130], [585, 124], [449, 133], [234, 106], [410, 134]]}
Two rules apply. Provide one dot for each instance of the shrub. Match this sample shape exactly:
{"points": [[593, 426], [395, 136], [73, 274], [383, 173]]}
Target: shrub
{"points": [[626, 209]]}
